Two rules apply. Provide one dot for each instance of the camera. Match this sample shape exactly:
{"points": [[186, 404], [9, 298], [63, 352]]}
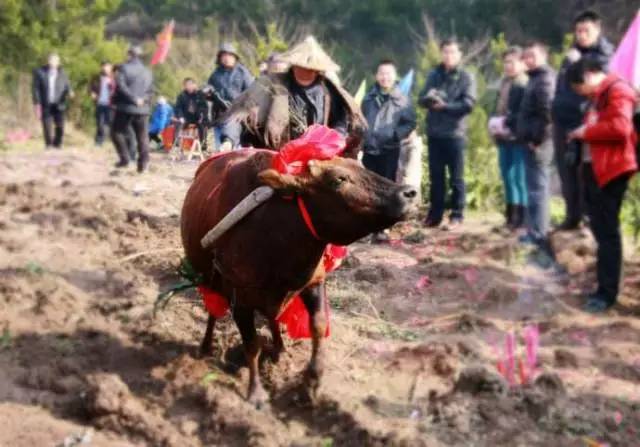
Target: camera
{"points": [[435, 96]]}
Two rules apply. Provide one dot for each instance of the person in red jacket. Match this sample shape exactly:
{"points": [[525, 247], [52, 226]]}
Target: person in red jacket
{"points": [[609, 161]]}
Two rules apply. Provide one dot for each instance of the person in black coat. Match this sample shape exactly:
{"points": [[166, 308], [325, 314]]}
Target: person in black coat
{"points": [[191, 108], [534, 130], [51, 88], [449, 95], [391, 119], [569, 109], [131, 100]]}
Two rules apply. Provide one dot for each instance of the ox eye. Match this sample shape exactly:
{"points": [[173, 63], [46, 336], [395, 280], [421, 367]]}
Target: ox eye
{"points": [[341, 179], [338, 181]]}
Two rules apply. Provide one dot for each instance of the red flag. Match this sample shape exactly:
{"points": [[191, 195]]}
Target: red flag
{"points": [[164, 44]]}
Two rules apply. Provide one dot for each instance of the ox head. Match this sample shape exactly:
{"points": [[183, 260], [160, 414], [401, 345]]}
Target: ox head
{"points": [[345, 201]]}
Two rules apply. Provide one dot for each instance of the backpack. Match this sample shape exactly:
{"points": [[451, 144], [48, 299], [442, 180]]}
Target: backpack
{"points": [[636, 115]]}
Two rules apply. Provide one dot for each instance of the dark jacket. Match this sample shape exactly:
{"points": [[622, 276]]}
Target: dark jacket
{"points": [[94, 87], [534, 117], [40, 88], [458, 90], [133, 81], [516, 93], [191, 106], [230, 83], [569, 107], [390, 118]]}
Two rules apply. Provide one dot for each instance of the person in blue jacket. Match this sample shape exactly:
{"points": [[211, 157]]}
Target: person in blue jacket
{"points": [[160, 119]]}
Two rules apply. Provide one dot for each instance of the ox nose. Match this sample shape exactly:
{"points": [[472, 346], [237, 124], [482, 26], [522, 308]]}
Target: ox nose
{"points": [[408, 193]]}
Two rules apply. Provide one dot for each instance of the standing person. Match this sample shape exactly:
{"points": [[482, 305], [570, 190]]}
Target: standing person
{"points": [[511, 152], [131, 101], [288, 103], [229, 80], [609, 157], [449, 96], [534, 130], [391, 119], [51, 88], [568, 112], [132, 148], [191, 109], [101, 90], [160, 120]]}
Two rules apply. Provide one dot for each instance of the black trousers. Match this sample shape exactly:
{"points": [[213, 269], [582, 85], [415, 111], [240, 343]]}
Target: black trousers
{"points": [[103, 122], [53, 116], [570, 174], [446, 154], [384, 164], [603, 207], [155, 137], [122, 124]]}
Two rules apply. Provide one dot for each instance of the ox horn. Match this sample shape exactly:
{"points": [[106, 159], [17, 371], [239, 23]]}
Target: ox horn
{"points": [[257, 197]]}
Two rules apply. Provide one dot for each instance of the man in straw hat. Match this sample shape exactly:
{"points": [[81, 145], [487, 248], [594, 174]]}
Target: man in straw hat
{"points": [[279, 107]]}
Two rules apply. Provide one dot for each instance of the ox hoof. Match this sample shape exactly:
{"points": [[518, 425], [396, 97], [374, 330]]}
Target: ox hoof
{"points": [[274, 353], [205, 351], [258, 397]]}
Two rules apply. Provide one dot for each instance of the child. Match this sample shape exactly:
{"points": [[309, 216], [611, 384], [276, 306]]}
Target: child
{"points": [[160, 120]]}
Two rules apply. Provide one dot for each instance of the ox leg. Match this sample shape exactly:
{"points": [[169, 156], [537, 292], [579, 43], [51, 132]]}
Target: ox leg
{"points": [[252, 344], [314, 300], [206, 347], [278, 344]]}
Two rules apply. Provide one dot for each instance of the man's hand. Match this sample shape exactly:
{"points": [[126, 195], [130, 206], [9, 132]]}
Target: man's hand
{"points": [[439, 105], [139, 102], [576, 134], [574, 55], [94, 96], [226, 146], [37, 109]]}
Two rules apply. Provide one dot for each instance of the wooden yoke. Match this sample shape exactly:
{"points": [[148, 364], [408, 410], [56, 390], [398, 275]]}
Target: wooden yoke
{"points": [[257, 197]]}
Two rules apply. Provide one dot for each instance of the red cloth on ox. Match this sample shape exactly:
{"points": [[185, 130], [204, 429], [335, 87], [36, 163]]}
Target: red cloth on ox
{"points": [[295, 316], [317, 143], [216, 304]]}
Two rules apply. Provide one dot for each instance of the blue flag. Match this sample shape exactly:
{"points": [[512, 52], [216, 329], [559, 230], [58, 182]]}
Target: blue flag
{"points": [[406, 83]]}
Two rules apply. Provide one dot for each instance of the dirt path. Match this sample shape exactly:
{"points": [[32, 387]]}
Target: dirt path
{"points": [[418, 327]]}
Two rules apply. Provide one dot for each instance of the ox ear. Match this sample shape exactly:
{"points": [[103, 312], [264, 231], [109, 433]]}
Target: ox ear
{"points": [[281, 182]]}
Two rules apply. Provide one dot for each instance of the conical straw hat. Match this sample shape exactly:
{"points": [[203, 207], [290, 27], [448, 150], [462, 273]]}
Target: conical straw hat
{"points": [[310, 55]]}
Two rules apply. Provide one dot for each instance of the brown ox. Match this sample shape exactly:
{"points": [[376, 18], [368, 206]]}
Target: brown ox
{"points": [[271, 255]]}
